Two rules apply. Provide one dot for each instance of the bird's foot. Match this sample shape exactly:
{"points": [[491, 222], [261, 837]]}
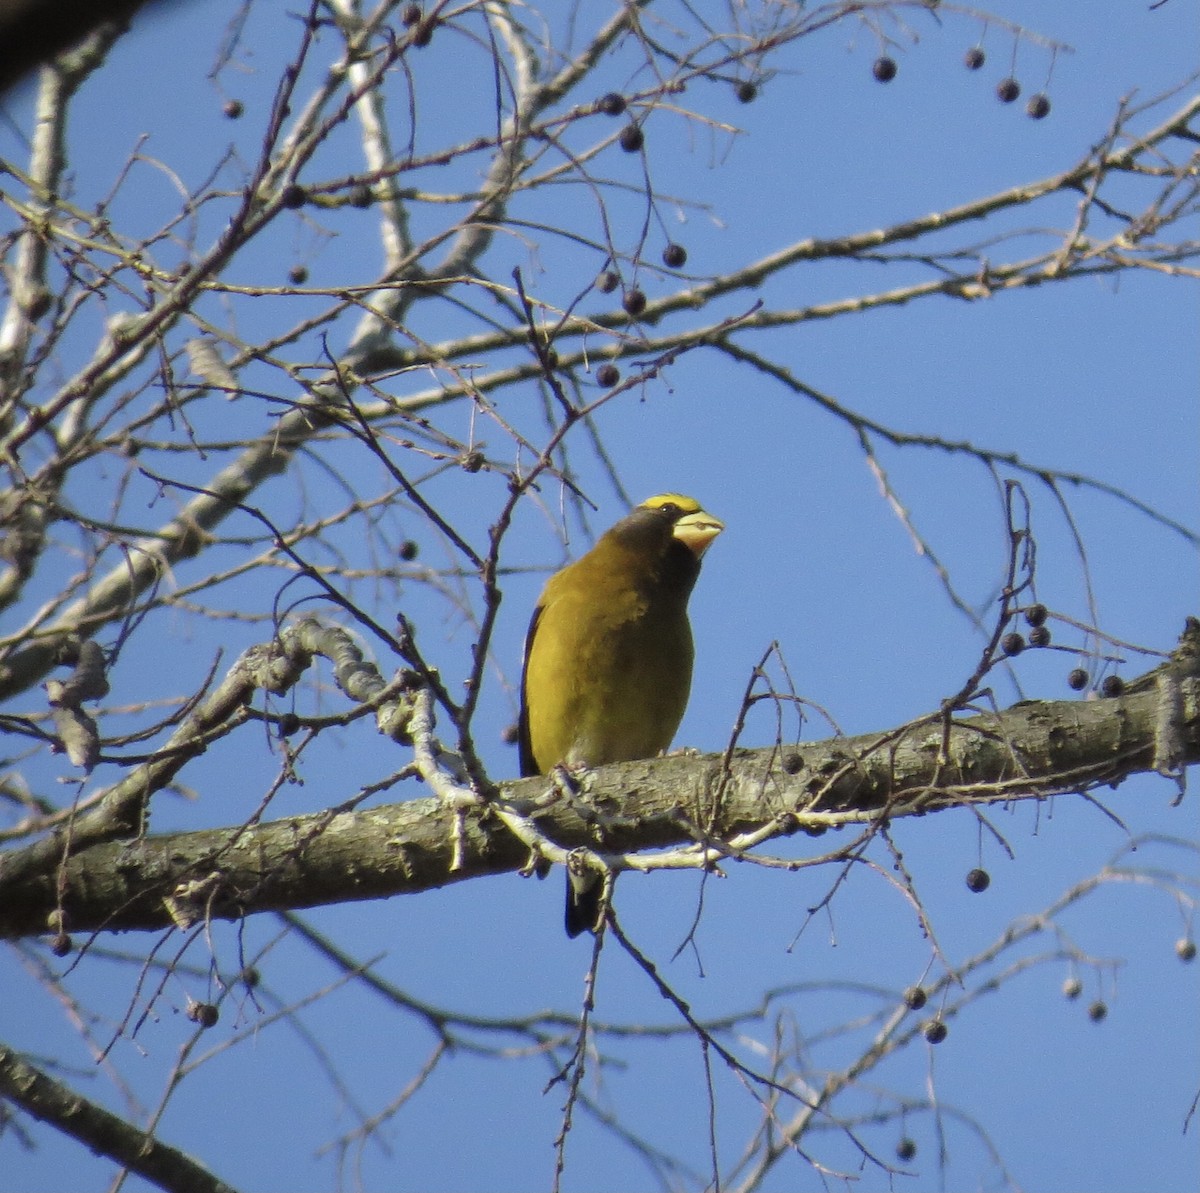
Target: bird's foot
{"points": [[586, 901]]}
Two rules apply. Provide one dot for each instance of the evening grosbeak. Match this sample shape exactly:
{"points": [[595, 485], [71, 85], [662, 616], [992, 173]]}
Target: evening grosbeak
{"points": [[608, 657]]}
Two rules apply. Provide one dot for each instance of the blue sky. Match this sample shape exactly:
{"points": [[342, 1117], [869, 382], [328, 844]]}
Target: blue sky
{"points": [[1098, 376]]}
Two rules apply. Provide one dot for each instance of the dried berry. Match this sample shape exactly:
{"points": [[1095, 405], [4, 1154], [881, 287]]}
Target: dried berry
{"points": [[607, 282], [233, 109], [293, 196], [1072, 988], [203, 1013], [1007, 90], [1098, 1011], [632, 139], [634, 302], [1012, 643], [1039, 636], [422, 34], [936, 1031], [1113, 685], [1185, 949], [38, 300], [408, 550], [360, 196], [915, 998], [884, 69], [906, 1149], [411, 15], [298, 275], [60, 946], [978, 880], [510, 734], [746, 92], [612, 104], [1039, 106], [608, 376], [974, 58], [674, 256], [1036, 615], [1077, 679]]}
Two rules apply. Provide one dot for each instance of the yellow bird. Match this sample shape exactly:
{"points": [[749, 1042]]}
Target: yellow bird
{"points": [[608, 657]]}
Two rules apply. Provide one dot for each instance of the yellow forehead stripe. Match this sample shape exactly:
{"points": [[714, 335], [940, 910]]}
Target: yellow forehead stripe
{"points": [[687, 505]]}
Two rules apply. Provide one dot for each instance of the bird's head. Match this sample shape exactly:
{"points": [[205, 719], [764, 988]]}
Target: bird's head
{"points": [[689, 522]]}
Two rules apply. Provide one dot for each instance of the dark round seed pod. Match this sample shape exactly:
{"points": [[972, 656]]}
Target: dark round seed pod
{"points": [[422, 34], [298, 275], [936, 1031], [1036, 614], [612, 104], [884, 69], [1077, 679], [293, 196], [233, 109], [634, 302], [1039, 636], [607, 282], [905, 1149], [978, 880], [360, 195], [1185, 949], [974, 58], [1007, 90], [915, 998], [674, 256], [746, 92], [608, 376], [632, 139], [203, 1013], [411, 15], [1012, 643], [1072, 988], [473, 461], [1098, 1011], [793, 764], [1113, 685], [37, 301], [250, 977], [60, 945], [510, 734], [408, 550], [289, 723], [1038, 106]]}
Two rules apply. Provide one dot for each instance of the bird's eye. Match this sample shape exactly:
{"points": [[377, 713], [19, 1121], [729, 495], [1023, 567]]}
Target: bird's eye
{"points": [[669, 508]]}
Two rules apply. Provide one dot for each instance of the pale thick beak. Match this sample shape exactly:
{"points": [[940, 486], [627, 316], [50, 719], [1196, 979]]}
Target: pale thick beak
{"points": [[696, 531]]}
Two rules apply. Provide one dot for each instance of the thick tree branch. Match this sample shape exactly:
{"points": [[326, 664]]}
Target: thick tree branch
{"points": [[104, 1133], [715, 808]]}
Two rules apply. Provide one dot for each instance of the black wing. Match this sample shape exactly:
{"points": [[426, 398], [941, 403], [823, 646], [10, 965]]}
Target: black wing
{"points": [[529, 764]]}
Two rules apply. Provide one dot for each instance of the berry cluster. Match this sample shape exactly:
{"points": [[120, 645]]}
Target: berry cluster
{"points": [[1014, 642], [1008, 90]]}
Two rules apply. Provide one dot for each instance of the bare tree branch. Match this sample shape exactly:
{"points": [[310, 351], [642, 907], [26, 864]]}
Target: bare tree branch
{"points": [[100, 1130], [1034, 750]]}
